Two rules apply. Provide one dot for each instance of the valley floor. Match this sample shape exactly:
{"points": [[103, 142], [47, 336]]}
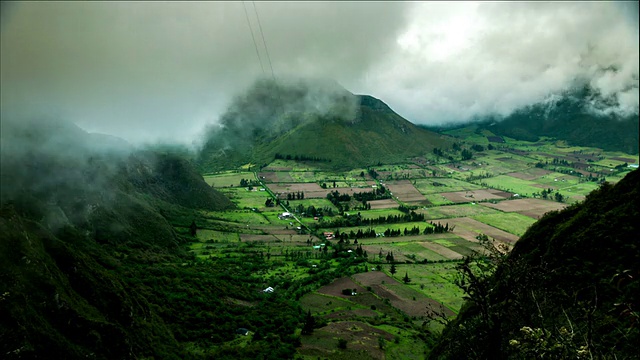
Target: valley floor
{"points": [[377, 272]]}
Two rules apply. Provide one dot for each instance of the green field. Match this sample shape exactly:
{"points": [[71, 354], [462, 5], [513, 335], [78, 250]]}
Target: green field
{"points": [[513, 223], [452, 211], [438, 200], [436, 281], [420, 252], [317, 203], [244, 198], [303, 176], [429, 260], [511, 184], [321, 303], [227, 179], [243, 217], [205, 235], [372, 214], [427, 187], [290, 165]]}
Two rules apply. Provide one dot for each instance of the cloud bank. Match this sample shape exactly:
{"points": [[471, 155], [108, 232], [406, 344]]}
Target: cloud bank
{"points": [[160, 70]]}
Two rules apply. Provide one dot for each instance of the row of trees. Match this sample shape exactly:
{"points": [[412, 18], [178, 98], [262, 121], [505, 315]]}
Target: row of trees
{"points": [[248, 183], [357, 220], [547, 194], [299, 195], [312, 211], [378, 194], [465, 154], [436, 228], [336, 198], [301, 158]]}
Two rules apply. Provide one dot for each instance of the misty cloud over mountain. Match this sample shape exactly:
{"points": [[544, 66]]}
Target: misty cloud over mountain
{"points": [[149, 71]]}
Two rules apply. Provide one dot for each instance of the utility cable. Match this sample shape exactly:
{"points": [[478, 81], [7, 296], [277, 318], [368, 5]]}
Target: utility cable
{"points": [[263, 41], [255, 44]]}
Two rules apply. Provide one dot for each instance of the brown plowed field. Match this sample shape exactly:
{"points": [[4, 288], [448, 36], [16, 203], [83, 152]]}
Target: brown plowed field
{"points": [[627, 160], [351, 313], [442, 250], [475, 195], [533, 208], [383, 204], [406, 192], [276, 230], [275, 177], [311, 190], [468, 229], [252, 237]]}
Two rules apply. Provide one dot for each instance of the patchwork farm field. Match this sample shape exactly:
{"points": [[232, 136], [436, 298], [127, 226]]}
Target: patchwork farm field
{"points": [[246, 199], [512, 223], [459, 210], [404, 191], [476, 195], [442, 185], [373, 268], [533, 208], [383, 204]]}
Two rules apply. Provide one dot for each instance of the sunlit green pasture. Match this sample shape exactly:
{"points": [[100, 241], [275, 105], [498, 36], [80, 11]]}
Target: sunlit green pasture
{"points": [[292, 165], [437, 199], [408, 346], [243, 198], [436, 281], [414, 248], [513, 223], [372, 214], [426, 186], [511, 184], [227, 179], [453, 211], [237, 216]]}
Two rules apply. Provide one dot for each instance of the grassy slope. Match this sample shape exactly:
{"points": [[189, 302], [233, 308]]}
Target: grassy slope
{"points": [[374, 134]]}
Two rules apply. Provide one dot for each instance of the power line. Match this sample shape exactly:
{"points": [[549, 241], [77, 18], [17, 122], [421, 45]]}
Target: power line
{"points": [[254, 39], [266, 49]]}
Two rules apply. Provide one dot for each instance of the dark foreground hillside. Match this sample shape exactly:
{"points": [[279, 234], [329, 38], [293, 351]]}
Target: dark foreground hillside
{"points": [[92, 261], [569, 289]]}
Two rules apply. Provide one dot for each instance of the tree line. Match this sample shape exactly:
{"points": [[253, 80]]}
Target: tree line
{"points": [[436, 228], [301, 158]]}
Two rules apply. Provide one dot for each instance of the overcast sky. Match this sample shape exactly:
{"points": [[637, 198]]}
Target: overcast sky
{"points": [[146, 71]]}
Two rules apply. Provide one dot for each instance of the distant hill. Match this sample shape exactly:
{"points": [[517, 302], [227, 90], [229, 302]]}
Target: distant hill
{"points": [[569, 289], [314, 120], [568, 117]]}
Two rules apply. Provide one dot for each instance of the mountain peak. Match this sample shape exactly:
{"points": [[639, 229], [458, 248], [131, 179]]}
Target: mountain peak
{"points": [[314, 118]]}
